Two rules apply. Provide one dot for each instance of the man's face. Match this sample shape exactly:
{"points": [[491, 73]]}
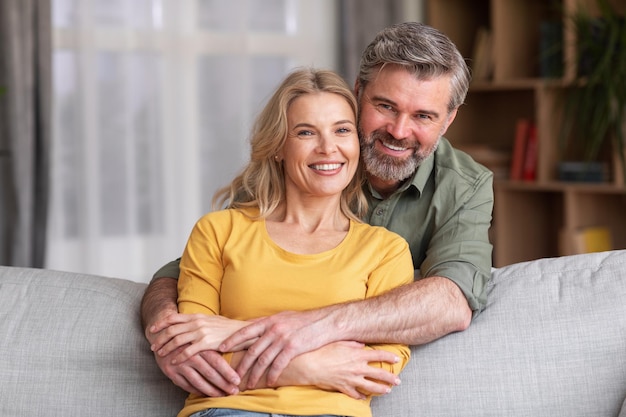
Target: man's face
{"points": [[401, 121]]}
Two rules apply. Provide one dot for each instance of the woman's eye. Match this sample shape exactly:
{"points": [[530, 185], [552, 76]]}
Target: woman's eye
{"points": [[305, 133], [344, 130]]}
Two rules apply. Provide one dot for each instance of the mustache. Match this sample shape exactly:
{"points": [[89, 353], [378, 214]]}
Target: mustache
{"points": [[385, 137]]}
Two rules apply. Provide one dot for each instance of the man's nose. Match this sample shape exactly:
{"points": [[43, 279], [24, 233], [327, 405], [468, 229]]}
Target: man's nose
{"points": [[399, 127]]}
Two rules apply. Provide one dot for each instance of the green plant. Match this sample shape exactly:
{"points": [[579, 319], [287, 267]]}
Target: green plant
{"points": [[595, 102]]}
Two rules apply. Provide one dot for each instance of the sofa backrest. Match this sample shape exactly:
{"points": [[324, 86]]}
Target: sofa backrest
{"points": [[551, 342], [72, 345]]}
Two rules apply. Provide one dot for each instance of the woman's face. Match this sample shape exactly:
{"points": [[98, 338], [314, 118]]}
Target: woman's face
{"points": [[321, 153]]}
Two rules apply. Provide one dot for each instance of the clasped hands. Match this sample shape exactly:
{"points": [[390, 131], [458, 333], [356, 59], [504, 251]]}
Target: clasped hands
{"points": [[289, 348]]}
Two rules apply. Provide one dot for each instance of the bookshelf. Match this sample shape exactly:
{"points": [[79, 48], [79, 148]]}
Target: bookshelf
{"points": [[532, 219]]}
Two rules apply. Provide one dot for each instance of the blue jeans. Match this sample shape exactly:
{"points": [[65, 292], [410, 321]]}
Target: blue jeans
{"points": [[229, 412]]}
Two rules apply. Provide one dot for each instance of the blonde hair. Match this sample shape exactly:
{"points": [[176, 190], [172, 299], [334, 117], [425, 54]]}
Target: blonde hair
{"points": [[261, 184]]}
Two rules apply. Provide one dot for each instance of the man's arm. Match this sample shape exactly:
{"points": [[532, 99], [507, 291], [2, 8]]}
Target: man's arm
{"points": [[413, 314], [346, 367], [159, 301], [206, 373]]}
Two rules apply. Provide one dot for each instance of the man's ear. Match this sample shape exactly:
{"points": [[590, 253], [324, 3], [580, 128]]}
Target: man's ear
{"points": [[449, 121], [356, 88]]}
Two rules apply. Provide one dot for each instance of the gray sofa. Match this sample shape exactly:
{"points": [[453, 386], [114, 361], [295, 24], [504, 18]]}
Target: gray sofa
{"points": [[551, 342]]}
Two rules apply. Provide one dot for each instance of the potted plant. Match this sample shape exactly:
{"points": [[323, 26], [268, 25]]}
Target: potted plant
{"points": [[594, 111]]}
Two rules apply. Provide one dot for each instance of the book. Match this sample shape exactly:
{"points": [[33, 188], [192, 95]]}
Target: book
{"points": [[482, 56], [496, 160], [551, 49], [593, 239], [529, 171], [583, 171], [585, 240], [519, 149]]}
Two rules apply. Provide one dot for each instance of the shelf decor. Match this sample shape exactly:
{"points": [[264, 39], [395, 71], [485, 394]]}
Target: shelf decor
{"points": [[594, 112]]}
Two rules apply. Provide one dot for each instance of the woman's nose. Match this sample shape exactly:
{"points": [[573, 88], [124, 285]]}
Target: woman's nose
{"points": [[326, 145]]}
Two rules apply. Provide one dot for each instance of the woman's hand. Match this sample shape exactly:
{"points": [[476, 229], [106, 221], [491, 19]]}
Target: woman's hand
{"points": [[206, 373], [343, 367], [198, 332]]}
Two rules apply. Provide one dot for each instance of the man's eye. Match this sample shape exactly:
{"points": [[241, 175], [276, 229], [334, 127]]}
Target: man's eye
{"points": [[386, 110]]}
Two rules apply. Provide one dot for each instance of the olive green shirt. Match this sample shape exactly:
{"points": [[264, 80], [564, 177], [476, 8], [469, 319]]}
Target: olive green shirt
{"points": [[444, 213]]}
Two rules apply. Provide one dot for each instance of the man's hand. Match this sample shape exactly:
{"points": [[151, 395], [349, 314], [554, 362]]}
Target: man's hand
{"points": [[281, 338], [343, 367]]}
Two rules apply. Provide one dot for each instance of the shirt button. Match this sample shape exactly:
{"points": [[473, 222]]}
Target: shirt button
{"points": [[379, 212]]}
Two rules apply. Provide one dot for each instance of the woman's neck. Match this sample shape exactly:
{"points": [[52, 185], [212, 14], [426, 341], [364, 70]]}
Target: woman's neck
{"points": [[311, 215], [307, 228]]}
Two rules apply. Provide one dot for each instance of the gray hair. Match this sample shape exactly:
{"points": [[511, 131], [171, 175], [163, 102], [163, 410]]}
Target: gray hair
{"points": [[422, 50]]}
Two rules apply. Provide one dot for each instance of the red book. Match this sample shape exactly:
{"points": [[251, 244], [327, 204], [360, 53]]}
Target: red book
{"points": [[519, 149], [529, 172]]}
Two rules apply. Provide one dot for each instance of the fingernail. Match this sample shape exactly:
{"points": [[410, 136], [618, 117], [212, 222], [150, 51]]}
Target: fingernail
{"points": [[397, 381]]}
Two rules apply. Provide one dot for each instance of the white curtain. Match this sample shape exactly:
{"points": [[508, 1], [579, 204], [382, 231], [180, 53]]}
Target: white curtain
{"points": [[153, 102]]}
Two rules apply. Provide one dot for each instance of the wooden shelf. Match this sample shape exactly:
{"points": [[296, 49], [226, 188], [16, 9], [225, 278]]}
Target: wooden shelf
{"points": [[561, 186], [529, 217]]}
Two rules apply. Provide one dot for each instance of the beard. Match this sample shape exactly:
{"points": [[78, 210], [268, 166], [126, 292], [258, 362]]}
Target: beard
{"points": [[387, 167]]}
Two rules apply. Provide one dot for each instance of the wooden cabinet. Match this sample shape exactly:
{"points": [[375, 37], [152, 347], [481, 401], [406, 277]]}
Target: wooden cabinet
{"points": [[532, 219]]}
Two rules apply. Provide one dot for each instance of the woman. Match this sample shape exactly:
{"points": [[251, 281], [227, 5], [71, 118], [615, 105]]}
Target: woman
{"points": [[291, 239]]}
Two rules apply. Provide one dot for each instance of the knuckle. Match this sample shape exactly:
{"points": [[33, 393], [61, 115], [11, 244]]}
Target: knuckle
{"points": [[177, 340], [211, 357], [253, 351], [264, 360]]}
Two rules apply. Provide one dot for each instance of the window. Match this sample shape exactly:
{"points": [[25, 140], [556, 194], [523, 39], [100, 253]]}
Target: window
{"points": [[153, 102]]}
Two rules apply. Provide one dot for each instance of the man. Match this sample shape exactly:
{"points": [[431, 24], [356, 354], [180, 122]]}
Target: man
{"points": [[411, 83]]}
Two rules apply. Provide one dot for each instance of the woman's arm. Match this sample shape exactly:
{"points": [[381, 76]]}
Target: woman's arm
{"points": [[346, 367]]}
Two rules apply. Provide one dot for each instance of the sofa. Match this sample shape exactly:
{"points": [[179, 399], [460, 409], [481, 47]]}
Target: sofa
{"points": [[551, 342]]}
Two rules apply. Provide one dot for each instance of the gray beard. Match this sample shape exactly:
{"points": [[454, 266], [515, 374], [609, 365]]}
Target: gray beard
{"points": [[386, 167]]}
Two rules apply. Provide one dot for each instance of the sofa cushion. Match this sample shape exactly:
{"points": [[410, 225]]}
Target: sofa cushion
{"points": [[551, 342], [72, 345]]}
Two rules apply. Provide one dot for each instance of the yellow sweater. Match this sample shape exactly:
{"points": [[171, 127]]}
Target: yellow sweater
{"points": [[232, 267]]}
